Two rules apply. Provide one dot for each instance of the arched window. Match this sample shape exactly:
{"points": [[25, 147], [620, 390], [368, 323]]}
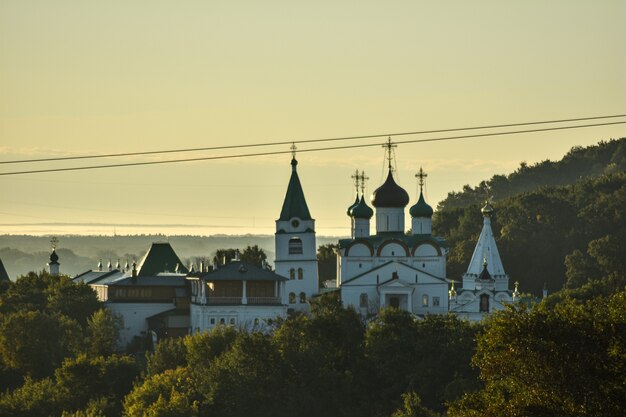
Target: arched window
{"points": [[292, 273], [484, 303], [302, 298], [363, 301], [292, 298], [300, 273], [424, 300], [295, 246]]}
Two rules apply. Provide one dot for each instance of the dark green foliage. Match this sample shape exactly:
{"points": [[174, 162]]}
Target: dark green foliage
{"points": [[103, 332], [255, 256], [605, 158], [564, 359], [35, 343], [327, 262], [168, 354], [429, 357], [555, 236], [96, 385]]}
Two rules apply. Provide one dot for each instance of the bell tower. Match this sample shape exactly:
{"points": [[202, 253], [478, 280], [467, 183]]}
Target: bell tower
{"points": [[296, 248]]}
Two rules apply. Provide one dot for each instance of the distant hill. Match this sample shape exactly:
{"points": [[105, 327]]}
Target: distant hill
{"points": [[556, 223], [603, 158], [23, 253]]}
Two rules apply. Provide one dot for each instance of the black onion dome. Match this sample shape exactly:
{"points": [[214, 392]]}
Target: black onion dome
{"points": [[352, 206], [421, 208], [362, 210], [54, 258], [390, 194]]}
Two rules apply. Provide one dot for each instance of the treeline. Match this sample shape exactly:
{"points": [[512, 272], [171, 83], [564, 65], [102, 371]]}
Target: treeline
{"points": [[605, 158], [22, 253], [553, 236], [565, 356]]}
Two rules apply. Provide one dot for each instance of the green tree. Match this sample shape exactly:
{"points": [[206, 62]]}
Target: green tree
{"points": [[327, 262], [104, 332], [168, 354], [563, 359], [412, 407], [255, 256], [35, 343]]}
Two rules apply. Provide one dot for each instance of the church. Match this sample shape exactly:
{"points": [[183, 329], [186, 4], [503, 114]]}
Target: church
{"points": [[392, 267], [380, 265]]}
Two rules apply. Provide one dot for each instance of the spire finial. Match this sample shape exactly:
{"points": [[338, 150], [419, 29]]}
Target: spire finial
{"points": [[293, 148], [356, 179], [389, 146], [421, 175], [54, 242], [363, 178]]}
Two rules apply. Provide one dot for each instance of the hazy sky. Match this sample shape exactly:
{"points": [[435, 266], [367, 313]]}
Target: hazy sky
{"points": [[90, 77]]}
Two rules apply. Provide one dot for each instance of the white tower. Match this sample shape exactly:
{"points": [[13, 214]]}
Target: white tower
{"points": [[53, 265], [421, 212], [296, 249]]}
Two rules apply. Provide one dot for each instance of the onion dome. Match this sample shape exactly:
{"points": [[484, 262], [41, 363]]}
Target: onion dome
{"points": [[421, 208], [362, 210], [487, 211], [54, 258], [352, 206], [390, 194]]}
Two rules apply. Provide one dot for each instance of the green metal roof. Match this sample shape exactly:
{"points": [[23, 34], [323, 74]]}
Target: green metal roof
{"points": [[160, 258], [362, 210], [409, 240], [421, 208], [3, 272], [295, 203]]}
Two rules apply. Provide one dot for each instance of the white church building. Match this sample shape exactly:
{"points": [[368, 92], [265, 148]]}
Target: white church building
{"points": [[485, 284]]}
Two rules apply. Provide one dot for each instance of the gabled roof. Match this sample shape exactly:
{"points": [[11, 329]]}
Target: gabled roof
{"points": [[240, 271], [3, 273], [160, 258], [177, 280], [295, 203], [92, 277], [388, 263]]}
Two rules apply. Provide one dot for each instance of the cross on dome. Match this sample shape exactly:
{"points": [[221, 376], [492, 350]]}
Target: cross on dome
{"points": [[356, 177], [389, 146], [293, 148], [54, 242], [421, 175], [363, 178]]}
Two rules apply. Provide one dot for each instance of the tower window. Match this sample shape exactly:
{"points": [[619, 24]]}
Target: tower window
{"points": [[425, 300], [484, 303], [292, 298], [363, 301], [292, 273], [300, 273], [302, 298], [295, 246]]}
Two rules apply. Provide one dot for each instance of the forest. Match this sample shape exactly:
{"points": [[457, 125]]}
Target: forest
{"points": [[564, 355]]}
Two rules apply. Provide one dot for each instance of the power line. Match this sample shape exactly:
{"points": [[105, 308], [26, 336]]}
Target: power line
{"points": [[254, 145], [208, 158]]}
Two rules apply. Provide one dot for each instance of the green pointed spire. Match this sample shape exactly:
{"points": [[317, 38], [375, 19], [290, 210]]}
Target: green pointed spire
{"points": [[295, 203]]}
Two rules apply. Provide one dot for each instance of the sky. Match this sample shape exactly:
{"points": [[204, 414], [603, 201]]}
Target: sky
{"points": [[89, 77]]}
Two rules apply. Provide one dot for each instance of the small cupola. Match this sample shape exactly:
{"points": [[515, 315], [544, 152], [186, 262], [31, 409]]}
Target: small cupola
{"points": [[362, 210], [421, 208]]}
